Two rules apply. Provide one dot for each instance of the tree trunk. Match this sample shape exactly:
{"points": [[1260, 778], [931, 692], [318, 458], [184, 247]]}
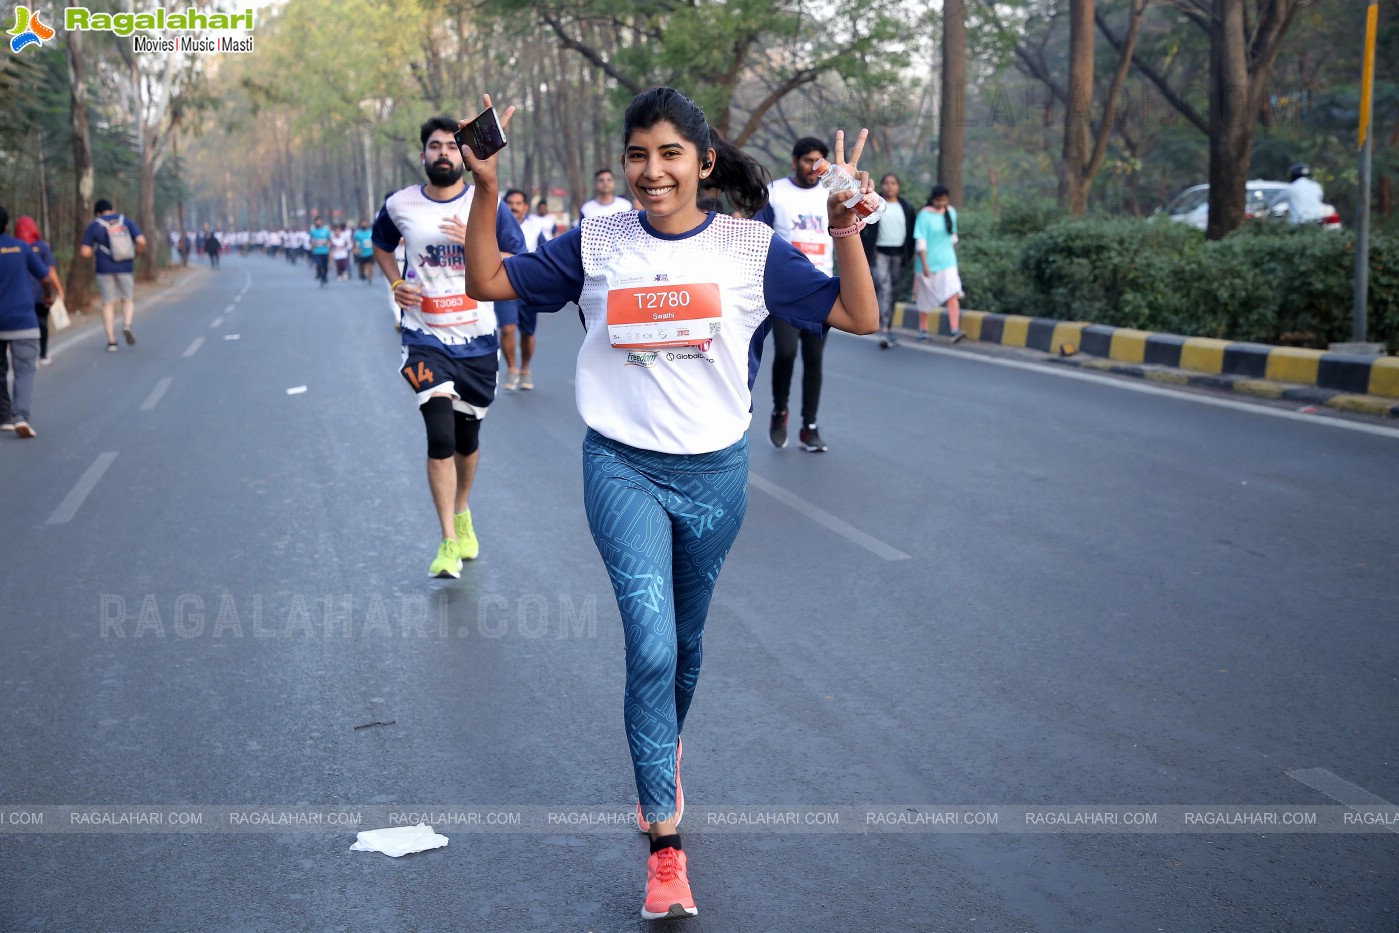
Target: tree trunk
{"points": [[79, 273], [148, 266], [1230, 119], [179, 191], [371, 184], [1078, 131], [952, 117], [45, 217]]}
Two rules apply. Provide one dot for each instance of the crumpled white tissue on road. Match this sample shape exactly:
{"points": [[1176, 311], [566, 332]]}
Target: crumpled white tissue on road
{"points": [[400, 840]]}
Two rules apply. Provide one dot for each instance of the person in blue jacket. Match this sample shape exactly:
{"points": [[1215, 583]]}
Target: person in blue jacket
{"points": [[19, 325]]}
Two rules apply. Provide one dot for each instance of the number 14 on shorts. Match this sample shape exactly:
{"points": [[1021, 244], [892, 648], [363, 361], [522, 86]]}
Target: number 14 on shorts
{"points": [[419, 375]]}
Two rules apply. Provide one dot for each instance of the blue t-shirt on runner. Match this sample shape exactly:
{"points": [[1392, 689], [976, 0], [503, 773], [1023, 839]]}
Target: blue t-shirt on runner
{"points": [[41, 249], [19, 265], [96, 236], [320, 241], [793, 289], [364, 242]]}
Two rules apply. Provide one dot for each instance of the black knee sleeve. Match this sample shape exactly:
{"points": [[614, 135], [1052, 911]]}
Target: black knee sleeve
{"points": [[437, 417], [468, 433]]}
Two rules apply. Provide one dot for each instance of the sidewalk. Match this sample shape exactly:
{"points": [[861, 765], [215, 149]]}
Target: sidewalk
{"points": [[1368, 385]]}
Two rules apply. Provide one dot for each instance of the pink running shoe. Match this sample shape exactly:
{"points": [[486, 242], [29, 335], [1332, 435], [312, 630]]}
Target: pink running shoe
{"points": [[668, 887]]}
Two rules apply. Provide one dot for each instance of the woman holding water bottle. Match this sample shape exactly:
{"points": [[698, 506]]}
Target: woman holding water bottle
{"points": [[675, 303]]}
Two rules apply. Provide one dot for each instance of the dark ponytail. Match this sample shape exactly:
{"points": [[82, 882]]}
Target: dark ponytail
{"points": [[741, 178], [940, 191]]}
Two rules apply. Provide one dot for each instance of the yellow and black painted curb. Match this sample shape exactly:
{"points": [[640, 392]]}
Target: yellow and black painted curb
{"points": [[1352, 383]]}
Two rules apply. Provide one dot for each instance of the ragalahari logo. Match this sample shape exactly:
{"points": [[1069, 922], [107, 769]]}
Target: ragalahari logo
{"points": [[29, 29]]}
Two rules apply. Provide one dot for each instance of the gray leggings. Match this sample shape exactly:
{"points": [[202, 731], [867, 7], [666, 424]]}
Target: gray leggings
{"points": [[888, 270], [25, 355]]}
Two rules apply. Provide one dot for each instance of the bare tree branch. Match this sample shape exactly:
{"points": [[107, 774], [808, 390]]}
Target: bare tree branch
{"points": [[1162, 85], [790, 84], [1124, 63], [568, 42]]}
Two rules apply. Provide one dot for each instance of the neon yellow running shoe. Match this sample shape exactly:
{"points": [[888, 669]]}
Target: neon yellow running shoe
{"points": [[448, 562], [466, 536]]}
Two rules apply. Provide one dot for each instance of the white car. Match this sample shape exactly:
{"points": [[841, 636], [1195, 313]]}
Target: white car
{"points": [[1261, 199]]}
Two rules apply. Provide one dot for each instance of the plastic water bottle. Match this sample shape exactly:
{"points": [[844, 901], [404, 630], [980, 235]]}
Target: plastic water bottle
{"points": [[835, 178]]}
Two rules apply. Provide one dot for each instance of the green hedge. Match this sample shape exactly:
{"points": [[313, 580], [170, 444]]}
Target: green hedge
{"points": [[1269, 283]]}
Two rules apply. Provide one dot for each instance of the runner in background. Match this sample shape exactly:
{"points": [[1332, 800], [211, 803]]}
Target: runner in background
{"points": [[319, 235], [796, 210], [450, 348], [605, 201], [364, 252]]}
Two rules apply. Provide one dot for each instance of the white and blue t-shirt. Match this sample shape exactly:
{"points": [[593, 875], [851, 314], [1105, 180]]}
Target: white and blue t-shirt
{"points": [[448, 318], [681, 399], [800, 216]]}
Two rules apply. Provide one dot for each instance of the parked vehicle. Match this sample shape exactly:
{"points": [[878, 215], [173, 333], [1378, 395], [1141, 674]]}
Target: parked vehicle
{"points": [[1262, 199]]}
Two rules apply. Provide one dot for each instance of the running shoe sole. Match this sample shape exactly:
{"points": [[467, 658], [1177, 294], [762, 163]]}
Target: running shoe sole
{"points": [[23, 429], [676, 912]]}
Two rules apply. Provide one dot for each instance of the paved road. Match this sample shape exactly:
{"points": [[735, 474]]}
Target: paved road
{"points": [[1002, 592]]}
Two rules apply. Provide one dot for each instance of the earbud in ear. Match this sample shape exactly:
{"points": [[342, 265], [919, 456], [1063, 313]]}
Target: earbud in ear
{"points": [[706, 163]]}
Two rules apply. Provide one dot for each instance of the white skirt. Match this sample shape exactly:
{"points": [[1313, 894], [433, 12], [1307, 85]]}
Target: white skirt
{"points": [[931, 292]]}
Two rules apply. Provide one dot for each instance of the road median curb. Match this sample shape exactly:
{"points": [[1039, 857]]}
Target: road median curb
{"points": [[1369, 385]]}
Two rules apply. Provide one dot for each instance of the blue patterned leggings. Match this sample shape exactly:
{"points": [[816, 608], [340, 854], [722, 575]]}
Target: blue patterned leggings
{"points": [[663, 524]]}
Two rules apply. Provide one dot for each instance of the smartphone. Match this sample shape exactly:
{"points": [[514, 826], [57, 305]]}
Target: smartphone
{"points": [[483, 135]]}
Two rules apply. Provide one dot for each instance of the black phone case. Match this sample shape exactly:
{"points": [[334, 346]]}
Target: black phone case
{"points": [[483, 135]]}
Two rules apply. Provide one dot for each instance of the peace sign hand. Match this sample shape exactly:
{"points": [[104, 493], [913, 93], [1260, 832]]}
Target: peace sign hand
{"points": [[839, 214]]}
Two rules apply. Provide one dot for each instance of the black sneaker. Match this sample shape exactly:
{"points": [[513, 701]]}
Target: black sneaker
{"points": [[958, 335], [810, 439], [777, 429]]}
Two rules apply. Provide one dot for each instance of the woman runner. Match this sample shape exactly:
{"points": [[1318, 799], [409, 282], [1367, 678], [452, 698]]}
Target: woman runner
{"points": [[676, 303]]}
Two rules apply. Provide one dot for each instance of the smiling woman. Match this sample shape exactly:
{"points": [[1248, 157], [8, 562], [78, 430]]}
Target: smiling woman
{"points": [[675, 302]]}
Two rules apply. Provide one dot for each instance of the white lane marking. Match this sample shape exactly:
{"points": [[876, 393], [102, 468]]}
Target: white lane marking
{"points": [[156, 395], [1339, 789], [215, 322], [1147, 388], [229, 308], [194, 347], [86, 483], [822, 517], [231, 336]]}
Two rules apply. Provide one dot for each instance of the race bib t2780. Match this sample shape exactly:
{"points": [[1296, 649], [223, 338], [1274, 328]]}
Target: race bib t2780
{"points": [[664, 315]]}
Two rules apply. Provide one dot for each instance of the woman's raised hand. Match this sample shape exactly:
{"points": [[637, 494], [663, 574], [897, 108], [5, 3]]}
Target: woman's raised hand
{"points": [[840, 215], [484, 170]]}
